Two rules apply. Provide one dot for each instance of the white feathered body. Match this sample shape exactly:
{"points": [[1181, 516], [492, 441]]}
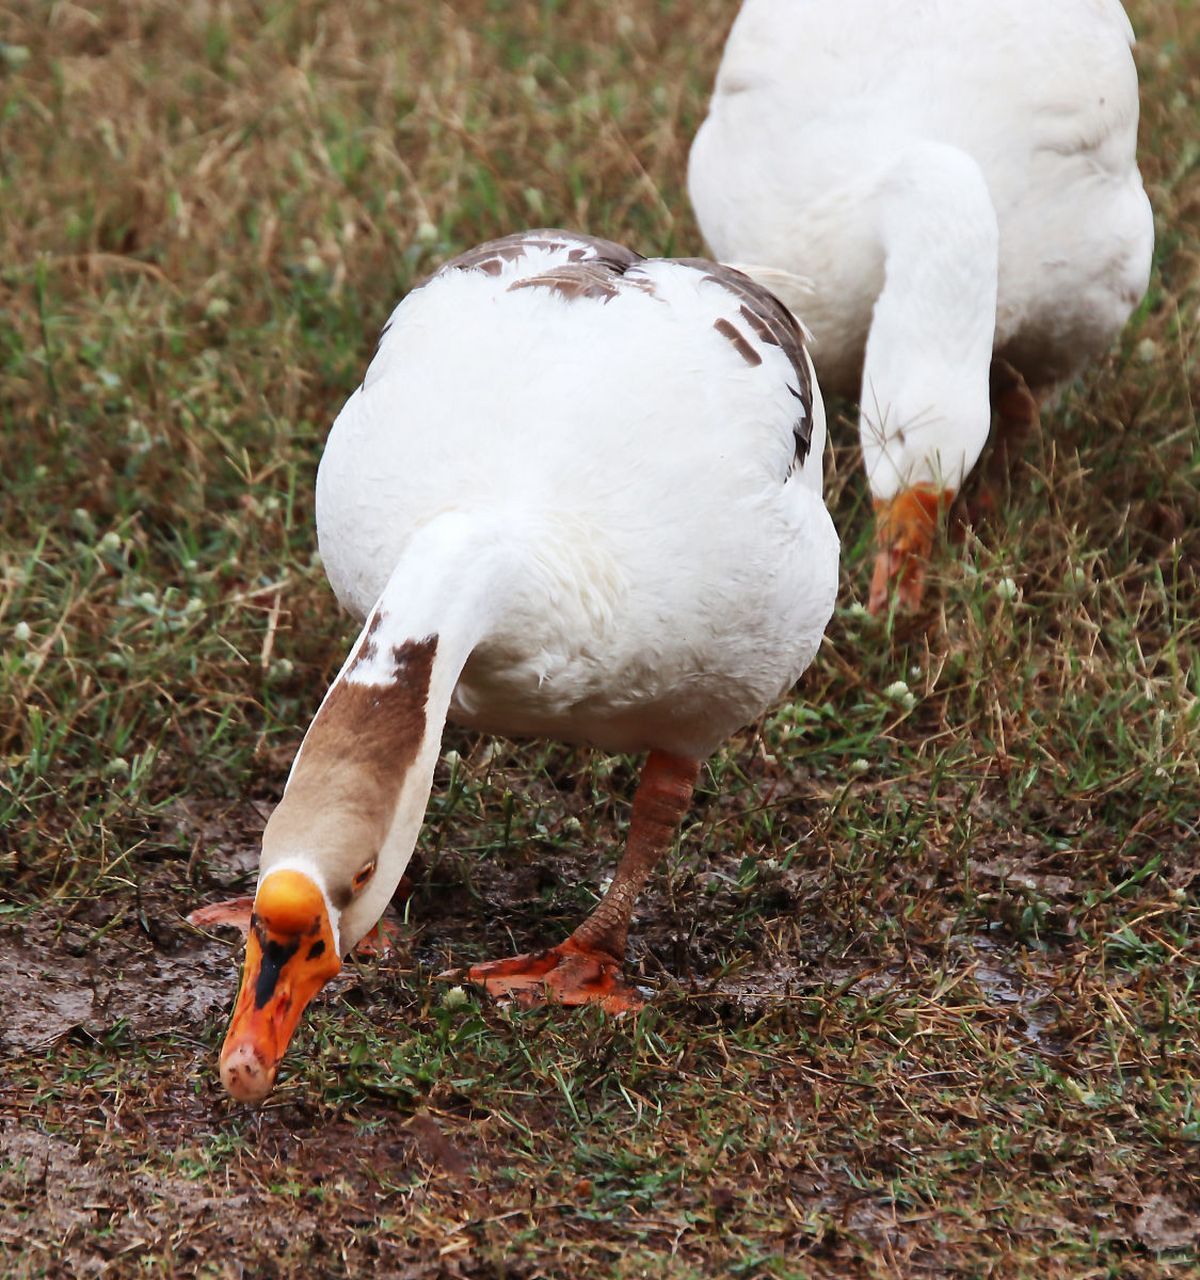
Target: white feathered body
{"points": [[674, 566], [820, 104]]}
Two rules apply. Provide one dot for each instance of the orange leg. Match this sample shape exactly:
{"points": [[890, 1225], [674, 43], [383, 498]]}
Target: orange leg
{"points": [[585, 969]]}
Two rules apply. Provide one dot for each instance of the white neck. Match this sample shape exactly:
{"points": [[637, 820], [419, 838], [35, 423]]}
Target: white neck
{"points": [[924, 410], [361, 780]]}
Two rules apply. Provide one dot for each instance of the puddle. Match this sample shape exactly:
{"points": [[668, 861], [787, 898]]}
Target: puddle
{"points": [[1031, 1007]]}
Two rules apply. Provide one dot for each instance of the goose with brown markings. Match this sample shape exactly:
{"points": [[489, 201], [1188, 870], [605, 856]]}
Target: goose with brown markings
{"points": [[577, 495]]}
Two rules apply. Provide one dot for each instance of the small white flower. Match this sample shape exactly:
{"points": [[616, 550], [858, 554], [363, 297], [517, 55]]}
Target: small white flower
{"points": [[147, 599], [900, 693], [455, 998], [194, 605], [857, 610], [860, 765], [281, 668], [138, 435], [606, 884], [452, 759], [427, 233], [1007, 589], [117, 768], [217, 309], [571, 826], [190, 566], [110, 542], [14, 56], [22, 633], [1146, 351]]}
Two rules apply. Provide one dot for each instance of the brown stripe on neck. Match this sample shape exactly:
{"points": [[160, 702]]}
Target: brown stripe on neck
{"points": [[346, 782], [376, 725]]}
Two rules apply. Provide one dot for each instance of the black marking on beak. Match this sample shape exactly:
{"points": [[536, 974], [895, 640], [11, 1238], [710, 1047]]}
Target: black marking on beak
{"points": [[317, 949], [274, 956]]}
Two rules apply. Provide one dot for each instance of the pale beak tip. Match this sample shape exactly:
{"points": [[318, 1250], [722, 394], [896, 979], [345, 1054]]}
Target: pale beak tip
{"points": [[244, 1074]]}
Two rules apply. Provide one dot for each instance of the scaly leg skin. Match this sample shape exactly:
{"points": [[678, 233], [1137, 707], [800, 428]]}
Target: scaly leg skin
{"points": [[586, 968], [1017, 418]]}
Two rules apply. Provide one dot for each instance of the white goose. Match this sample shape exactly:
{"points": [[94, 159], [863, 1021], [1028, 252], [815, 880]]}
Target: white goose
{"points": [[936, 187], [578, 494]]}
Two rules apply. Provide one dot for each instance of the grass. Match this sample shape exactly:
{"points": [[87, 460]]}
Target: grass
{"points": [[927, 963]]}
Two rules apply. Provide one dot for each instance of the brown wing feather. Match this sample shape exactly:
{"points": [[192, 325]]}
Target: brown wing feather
{"points": [[579, 249], [598, 269], [772, 323]]}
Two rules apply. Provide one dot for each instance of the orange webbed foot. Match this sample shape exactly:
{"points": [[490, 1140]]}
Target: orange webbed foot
{"points": [[381, 941], [568, 974], [234, 914]]}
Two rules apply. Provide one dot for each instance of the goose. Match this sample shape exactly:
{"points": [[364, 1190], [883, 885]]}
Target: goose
{"points": [[947, 193], [578, 494]]}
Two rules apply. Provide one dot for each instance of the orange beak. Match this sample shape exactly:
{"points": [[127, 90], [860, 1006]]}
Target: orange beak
{"points": [[290, 956], [904, 529]]}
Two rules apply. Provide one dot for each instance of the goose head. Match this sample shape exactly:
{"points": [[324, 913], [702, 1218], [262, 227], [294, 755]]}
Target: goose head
{"points": [[309, 912], [335, 848]]}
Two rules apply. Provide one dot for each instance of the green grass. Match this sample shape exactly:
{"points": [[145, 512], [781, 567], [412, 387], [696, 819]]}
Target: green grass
{"points": [[926, 964]]}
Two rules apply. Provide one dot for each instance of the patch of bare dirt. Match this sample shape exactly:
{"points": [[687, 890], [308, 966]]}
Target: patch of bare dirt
{"points": [[49, 991], [85, 1208]]}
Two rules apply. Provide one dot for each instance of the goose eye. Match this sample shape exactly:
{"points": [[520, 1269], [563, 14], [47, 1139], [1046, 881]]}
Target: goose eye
{"points": [[363, 875]]}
